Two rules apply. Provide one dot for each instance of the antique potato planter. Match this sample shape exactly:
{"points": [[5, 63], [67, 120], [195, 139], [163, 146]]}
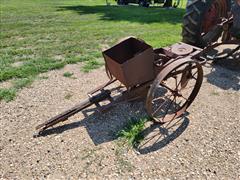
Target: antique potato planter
{"points": [[168, 79]]}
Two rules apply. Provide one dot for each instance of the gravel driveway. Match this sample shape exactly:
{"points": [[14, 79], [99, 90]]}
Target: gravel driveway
{"points": [[203, 145]]}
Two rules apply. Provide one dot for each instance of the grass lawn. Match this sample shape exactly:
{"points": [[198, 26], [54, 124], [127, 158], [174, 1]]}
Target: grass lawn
{"points": [[41, 35]]}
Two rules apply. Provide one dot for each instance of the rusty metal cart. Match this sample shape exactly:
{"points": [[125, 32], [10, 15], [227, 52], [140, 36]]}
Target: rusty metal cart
{"points": [[160, 76], [167, 79]]}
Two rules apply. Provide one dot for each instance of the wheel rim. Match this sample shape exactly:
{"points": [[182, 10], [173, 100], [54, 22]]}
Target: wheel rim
{"points": [[217, 10], [170, 96]]}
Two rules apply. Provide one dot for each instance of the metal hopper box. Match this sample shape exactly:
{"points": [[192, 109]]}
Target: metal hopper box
{"points": [[130, 61]]}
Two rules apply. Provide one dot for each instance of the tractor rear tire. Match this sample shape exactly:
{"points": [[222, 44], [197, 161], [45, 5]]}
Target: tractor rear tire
{"points": [[196, 19]]}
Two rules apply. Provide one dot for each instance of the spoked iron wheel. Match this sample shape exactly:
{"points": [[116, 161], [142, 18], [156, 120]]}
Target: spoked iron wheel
{"points": [[173, 90]]}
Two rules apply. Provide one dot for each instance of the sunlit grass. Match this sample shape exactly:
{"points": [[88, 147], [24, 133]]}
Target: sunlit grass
{"points": [[43, 35], [7, 94]]}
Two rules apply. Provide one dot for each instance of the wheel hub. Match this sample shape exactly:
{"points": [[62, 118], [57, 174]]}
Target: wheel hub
{"points": [[181, 49], [177, 93]]}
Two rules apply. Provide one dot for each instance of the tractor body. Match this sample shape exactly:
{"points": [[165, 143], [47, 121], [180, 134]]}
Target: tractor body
{"points": [[202, 18]]}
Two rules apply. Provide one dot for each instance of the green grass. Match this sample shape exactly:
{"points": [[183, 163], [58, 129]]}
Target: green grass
{"points": [[90, 65], [68, 74], [24, 82], [44, 35], [132, 133], [7, 94]]}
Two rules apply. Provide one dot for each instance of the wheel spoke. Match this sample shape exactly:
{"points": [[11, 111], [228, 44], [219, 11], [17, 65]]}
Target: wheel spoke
{"points": [[194, 78], [193, 75], [174, 124], [176, 83], [184, 97], [164, 85], [159, 137], [175, 104], [168, 108], [150, 138], [161, 105]]}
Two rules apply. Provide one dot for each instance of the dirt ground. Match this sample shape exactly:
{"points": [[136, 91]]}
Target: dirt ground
{"points": [[203, 145]]}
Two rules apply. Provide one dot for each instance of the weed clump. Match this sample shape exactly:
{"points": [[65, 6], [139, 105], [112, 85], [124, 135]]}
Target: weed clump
{"points": [[132, 133]]}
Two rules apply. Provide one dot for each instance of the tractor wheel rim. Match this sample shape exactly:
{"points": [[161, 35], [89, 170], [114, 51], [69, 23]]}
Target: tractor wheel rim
{"points": [[212, 16]]}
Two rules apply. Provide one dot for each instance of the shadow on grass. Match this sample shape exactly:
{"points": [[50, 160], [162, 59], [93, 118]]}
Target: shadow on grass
{"points": [[130, 13]]}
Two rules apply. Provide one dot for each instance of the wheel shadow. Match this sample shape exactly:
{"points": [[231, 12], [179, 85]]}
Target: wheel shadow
{"points": [[157, 136], [129, 13], [225, 73], [104, 128]]}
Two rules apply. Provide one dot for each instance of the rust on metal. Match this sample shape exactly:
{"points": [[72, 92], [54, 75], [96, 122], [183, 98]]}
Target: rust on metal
{"points": [[130, 61], [168, 78], [166, 103]]}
